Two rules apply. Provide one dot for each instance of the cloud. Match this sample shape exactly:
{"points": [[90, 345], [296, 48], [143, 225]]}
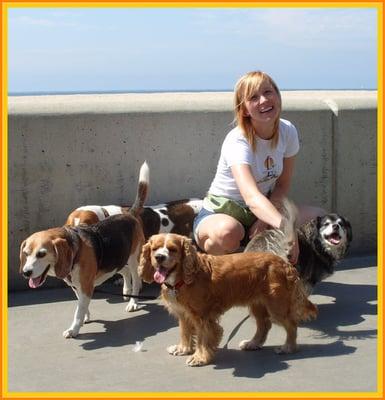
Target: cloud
{"points": [[297, 27], [57, 19], [319, 27]]}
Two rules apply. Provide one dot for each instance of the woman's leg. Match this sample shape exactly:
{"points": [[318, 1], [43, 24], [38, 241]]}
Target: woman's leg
{"points": [[219, 234]]}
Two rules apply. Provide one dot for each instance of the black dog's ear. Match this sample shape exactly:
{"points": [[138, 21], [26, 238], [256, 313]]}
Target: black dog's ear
{"points": [[312, 228], [349, 230]]}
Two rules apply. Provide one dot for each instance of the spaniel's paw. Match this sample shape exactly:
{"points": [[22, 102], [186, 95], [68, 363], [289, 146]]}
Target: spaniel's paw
{"points": [[132, 305], [70, 333], [286, 349], [250, 345], [196, 361], [178, 350], [87, 317]]}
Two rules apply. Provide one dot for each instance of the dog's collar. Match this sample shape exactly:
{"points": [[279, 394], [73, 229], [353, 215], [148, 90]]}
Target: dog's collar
{"points": [[174, 288]]}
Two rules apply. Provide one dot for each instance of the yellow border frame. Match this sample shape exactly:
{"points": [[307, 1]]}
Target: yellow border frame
{"points": [[4, 200]]}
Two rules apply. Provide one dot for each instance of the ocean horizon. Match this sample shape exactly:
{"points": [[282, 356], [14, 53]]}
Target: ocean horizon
{"points": [[74, 92]]}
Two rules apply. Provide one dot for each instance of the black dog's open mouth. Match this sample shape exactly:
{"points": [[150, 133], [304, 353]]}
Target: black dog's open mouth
{"points": [[36, 282], [333, 238]]}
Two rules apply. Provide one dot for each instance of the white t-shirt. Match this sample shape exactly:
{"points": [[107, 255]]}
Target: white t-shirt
{"points": [[266, 163]]}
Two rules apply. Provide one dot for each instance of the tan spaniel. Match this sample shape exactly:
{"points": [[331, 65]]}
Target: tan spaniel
{"points": [[199, 288]]}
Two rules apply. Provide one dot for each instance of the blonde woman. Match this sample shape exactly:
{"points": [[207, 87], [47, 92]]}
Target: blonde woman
{"points": [[254, 171]]}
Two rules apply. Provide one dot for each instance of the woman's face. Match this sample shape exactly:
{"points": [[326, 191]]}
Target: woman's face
{"points": [[264, 106]]}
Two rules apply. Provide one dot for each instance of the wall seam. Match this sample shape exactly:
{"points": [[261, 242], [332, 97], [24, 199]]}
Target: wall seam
{"points": [[333, 106]]}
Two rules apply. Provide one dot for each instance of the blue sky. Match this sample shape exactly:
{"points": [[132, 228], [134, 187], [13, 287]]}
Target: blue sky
{"points": [[131, 49]]}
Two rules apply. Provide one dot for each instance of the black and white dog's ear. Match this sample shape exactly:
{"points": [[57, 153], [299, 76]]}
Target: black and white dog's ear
{"points": [[316, 226], [349, 230]]}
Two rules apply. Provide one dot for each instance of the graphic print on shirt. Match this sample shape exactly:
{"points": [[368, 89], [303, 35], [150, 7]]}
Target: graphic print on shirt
{"points": [[270, 172]]}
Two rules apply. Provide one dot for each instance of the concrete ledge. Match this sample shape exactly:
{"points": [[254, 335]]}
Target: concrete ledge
{"points": [[67, 151]]}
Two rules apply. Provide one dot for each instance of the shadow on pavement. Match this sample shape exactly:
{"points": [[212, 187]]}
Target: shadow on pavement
{"points": [[352, 302], [256, 364], [129, 330]]}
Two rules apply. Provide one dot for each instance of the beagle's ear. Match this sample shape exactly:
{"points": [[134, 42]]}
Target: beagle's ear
{"points": [[22, 256], [145, 270], [64, 257], [190, 260]]}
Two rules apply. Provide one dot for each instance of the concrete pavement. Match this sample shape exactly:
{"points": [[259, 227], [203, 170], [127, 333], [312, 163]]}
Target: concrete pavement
{"points": [[338, 351]]}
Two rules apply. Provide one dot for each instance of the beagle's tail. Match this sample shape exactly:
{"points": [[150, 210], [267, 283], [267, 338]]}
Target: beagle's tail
{"points": [[142, 191]]}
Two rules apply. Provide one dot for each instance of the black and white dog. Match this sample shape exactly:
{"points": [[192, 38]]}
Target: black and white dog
{"points": [[322, 241]]}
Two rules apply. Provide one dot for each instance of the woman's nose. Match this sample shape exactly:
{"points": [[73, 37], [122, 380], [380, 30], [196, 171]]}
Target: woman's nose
{"points": [[262, 98]]}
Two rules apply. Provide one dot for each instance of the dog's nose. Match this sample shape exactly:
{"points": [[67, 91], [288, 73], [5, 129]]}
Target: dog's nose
{"points": [[27, 274], [160, 257]]}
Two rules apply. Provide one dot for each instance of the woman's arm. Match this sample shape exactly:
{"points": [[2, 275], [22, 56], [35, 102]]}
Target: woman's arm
{"points": [[282, 185], [264, 209], [259, 204]]}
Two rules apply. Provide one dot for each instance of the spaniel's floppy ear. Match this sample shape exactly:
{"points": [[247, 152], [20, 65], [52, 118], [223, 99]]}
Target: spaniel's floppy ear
{"points": [[145, 270], [190, 260], [23, 259], [64, 257]]}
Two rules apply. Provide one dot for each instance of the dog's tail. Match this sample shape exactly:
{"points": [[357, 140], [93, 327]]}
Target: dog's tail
{"points": [[288, 226], [278, 241], [142, 191], [302, 307]]}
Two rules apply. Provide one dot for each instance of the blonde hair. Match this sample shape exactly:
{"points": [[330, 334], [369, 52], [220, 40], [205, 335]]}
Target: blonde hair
{"points": [[244, 90]]}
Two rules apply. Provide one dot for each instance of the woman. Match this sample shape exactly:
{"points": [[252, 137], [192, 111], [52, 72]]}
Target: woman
{"points": [[254, 171]]}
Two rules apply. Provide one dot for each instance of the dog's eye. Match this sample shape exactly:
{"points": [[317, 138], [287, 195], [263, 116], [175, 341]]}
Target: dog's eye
{"points": [[172, 249], [41, 253]]}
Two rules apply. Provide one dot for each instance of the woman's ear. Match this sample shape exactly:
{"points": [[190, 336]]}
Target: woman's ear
{"points": [[145, 269]]}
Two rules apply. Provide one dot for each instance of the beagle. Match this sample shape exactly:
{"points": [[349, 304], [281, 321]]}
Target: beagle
{"points": [[173, 217], [85, 256]]}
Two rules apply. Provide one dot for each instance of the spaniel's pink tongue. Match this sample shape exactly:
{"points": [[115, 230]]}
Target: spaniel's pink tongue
{"points": [[35, 282], [160, 276]]}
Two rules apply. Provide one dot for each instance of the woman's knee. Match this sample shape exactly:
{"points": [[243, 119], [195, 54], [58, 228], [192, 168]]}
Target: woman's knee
{"points": [[229, 236], [221, 236]]}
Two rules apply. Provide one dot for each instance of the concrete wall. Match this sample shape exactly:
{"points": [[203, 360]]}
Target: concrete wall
{"points": [[67, 151]]}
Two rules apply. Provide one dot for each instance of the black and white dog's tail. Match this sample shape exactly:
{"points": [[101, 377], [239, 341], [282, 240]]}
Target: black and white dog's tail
{"points": [[278, 241], [142, 190]]}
